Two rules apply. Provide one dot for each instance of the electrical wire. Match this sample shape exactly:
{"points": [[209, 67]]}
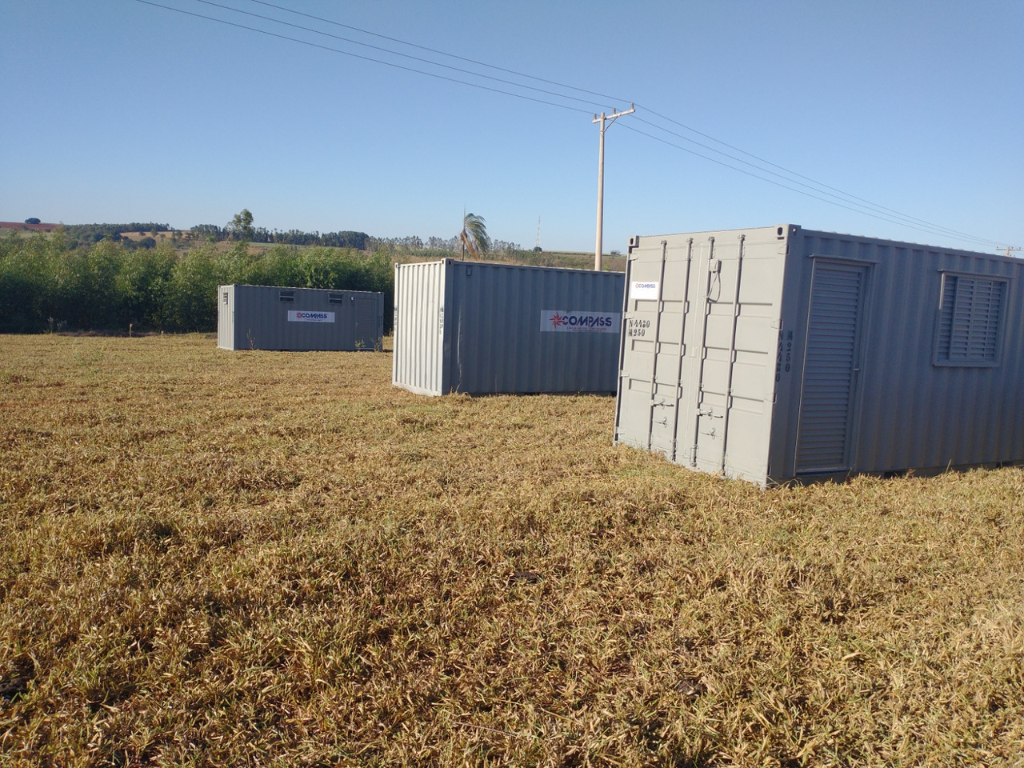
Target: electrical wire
{"points": [[819, 191], [364, 58], [822, 185], [865, 206], [819, 187], [803, 192], [397, 53], [441, 53]]}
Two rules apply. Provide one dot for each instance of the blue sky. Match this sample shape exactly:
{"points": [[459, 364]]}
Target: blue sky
{"points": [[118, 111]]}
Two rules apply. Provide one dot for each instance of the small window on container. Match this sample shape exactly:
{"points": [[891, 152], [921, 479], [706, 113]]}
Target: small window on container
{"points": [[970, 320], [287, 295], [335, 298], [225, 295]]}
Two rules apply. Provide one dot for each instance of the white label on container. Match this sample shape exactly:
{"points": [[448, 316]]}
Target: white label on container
{"points": [[644, 291], [561, 321], [300, 316]]}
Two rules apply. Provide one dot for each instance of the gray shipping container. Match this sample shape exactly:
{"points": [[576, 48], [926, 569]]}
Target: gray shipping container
{"points": [[484, 328], [298, 319], [778, 353]]}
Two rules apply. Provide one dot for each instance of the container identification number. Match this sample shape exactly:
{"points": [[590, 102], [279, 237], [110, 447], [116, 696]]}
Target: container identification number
{"points": [[637, 327]]}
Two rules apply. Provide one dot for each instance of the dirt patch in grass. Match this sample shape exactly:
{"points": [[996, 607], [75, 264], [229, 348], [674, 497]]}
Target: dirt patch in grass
{"points": [[259, 558]]}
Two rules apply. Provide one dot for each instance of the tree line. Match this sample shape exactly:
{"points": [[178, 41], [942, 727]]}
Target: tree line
{"points": [[241, 228], [79, 235], [441, 246], [53, 283], [215, 233]]}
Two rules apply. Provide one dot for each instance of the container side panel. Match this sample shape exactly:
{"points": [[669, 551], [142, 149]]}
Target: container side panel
{"points": [[921, 400], [295, 319], [368, 317], [531, 330]]}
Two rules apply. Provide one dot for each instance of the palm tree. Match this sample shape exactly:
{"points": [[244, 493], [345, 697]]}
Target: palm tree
{"points": [[474, 235]]}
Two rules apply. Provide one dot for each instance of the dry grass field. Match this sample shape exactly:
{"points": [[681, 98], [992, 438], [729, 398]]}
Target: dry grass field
{"points": [[211, 558]]}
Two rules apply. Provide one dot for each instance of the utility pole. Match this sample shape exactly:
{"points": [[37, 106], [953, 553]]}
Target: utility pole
{"points": [[606, 122], [1009, 249]]}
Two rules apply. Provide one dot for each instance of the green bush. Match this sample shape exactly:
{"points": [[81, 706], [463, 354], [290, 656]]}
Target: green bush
{"points": [[46, 282], [190, 303], [27, 291]]}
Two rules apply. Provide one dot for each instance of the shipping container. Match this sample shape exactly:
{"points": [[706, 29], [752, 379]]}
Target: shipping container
{"points": [[298, 319], [781, 353], [483, 328]]}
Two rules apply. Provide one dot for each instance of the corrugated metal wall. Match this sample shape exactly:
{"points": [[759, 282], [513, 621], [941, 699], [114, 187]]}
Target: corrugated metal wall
{"points": [[887, 356], [494, 328], [298, 319], [909, 409]]}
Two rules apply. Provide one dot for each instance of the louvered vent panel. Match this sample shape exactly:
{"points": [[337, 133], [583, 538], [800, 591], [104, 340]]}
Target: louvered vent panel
{"points": [[969, 320]]}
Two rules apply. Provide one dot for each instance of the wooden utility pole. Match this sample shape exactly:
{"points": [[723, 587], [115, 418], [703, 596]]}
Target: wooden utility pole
{"points": [[606, 122]]}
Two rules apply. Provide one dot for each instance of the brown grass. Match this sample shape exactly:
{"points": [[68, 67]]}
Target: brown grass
{"points": [[214, 558]]}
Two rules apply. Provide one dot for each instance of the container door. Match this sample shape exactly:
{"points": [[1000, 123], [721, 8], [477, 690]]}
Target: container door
{"points": [[226, 317], [831, 369], [711, 391], [668, 393], [700, 340], [654, 335], [367, 335], [737, 282]]}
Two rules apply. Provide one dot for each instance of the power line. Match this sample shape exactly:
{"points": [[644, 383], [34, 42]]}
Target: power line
{"points": [[794, 173], [442, 53], [801, 191], [840, 198], [364, 58], [844, 197], [396, 53]]}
